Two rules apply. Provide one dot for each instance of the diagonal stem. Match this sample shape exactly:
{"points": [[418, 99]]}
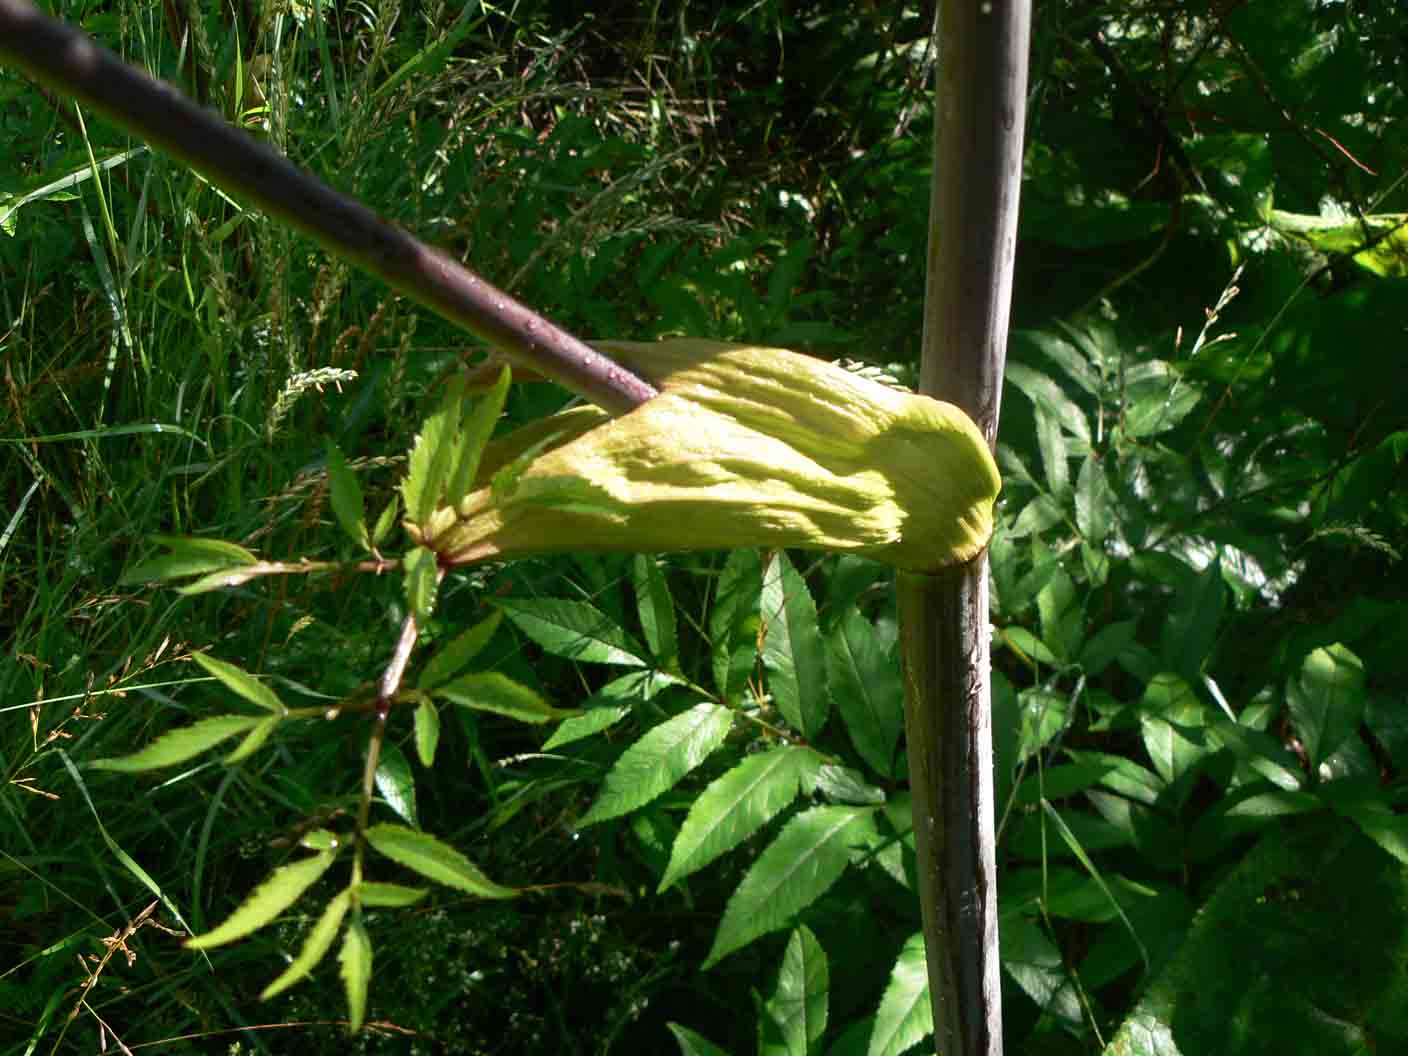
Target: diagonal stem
{"points": [[71, 63]]}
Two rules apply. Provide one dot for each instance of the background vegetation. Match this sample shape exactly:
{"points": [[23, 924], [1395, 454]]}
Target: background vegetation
{"points": [[1201, 694]]}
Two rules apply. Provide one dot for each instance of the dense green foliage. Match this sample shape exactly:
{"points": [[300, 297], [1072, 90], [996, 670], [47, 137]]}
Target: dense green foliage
{"points": [[1201, 693]]}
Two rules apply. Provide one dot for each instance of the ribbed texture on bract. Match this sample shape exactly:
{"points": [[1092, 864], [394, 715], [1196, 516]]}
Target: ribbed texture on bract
{"points": [[745, 446]]}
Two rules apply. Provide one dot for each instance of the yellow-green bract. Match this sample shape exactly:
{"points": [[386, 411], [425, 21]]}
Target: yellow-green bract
{"points": [[744, 446]]}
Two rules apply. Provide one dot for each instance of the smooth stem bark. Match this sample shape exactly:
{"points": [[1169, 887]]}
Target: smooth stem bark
{"points": [[69, 62], [979, 111]]}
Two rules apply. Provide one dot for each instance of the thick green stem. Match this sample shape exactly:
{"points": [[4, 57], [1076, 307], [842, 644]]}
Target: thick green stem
{"points": [[979, 111], [72, 64]]}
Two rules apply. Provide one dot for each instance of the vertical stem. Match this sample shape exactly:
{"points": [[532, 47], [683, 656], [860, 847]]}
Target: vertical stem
{"points": [[979, 111]]}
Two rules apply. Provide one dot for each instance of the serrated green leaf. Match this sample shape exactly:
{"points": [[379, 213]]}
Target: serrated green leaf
{"points": [[792, 649], [180, 744], [845, 784], [380, 895], [866, 688], [905, 1017], [427, 727], [345, 494], [386, 520], [496, 692], [280, 890], [1168, 710], [231, 553], [434, 860], [421, 581], [659, 759], [1034, 963], [1055, 459], [582, 726], [692, 1044], [798, 1005], [573, 629], [733, 621], [432, 456], [242, 683], [319, 840], [451, 658], [221, 579], [609, 704], [174, 566], [475, 430], [254, 739], [315, 946], [1096, 506], [1048, 395], [797, 868], [656, 609], [396, 783], [1156, 399], [738, 804], [356, 961]]}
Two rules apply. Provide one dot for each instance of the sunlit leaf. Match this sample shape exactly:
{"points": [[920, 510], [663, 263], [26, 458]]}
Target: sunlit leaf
{"points": [[799, 1004], [180, 744], [656, 609], [452, 657], [792, 649], [1157, 398], [610, 704], [496, 692], [356, 961], [1169, 712], [865, 686], [381, 895], [320, 840], [1327, 700], [738, 804], [1047, 394], [315, 946], [1055, 459], [229, 553], [280, 890], [573, 629], [254, 740], [434, 860], [396, 783], [905, 1017], [420, 576], [733, 621], [386, 520], [223, 579], [427, 728], [659, 759], [1095, 501], [432, 456], [591, 722], [242, 683], [797, 868], [475, 429]]}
